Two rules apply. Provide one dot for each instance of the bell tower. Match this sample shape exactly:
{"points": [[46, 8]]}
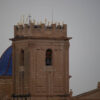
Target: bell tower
{"points": [[40, 62]]}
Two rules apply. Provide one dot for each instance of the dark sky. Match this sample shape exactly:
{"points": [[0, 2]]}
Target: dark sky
{"points": [[83, 20]]}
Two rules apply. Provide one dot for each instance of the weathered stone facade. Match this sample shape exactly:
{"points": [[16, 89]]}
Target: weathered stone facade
{"points": [[31, 76]]}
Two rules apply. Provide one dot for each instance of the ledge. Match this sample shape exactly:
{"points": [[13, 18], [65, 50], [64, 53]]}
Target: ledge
{"points": [[42, 38]]}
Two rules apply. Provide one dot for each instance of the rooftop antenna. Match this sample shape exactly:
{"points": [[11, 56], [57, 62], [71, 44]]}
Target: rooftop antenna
{"points": [[23, 19], [52, 15], [20, 22], [29, 19]]}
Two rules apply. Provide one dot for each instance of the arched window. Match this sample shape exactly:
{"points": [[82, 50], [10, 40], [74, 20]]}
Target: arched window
{"points": [[22, 58], [49, 57]]}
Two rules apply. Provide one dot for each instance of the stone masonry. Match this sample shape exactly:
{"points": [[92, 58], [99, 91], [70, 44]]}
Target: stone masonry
{"points": [[32, 78]]}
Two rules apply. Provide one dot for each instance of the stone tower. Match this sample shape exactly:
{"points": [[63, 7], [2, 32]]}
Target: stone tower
{"points": [[40, 62]]}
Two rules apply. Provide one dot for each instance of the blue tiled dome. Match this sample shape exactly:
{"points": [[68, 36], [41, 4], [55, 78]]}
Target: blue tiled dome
{"points": [[6, 63]]}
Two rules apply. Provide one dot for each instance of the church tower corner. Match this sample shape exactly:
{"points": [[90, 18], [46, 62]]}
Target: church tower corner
{"points": [[41, 62]]}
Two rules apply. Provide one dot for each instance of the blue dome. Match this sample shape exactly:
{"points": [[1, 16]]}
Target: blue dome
{"points": [[6, 63]]}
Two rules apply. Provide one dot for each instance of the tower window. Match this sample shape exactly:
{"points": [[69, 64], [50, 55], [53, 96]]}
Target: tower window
{"points": [[49, 57], [22, 58]]}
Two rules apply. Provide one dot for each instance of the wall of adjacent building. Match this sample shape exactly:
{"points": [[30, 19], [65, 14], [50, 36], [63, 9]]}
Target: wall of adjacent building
{"points": [[5, 88]]}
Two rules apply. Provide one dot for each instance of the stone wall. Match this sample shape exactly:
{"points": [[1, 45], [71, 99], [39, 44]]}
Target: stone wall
{"points": [[31, 30], [5, 87]]}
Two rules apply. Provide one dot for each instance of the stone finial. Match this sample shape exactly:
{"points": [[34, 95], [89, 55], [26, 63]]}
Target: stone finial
{"points": [[99, 85], [71, 92]]}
